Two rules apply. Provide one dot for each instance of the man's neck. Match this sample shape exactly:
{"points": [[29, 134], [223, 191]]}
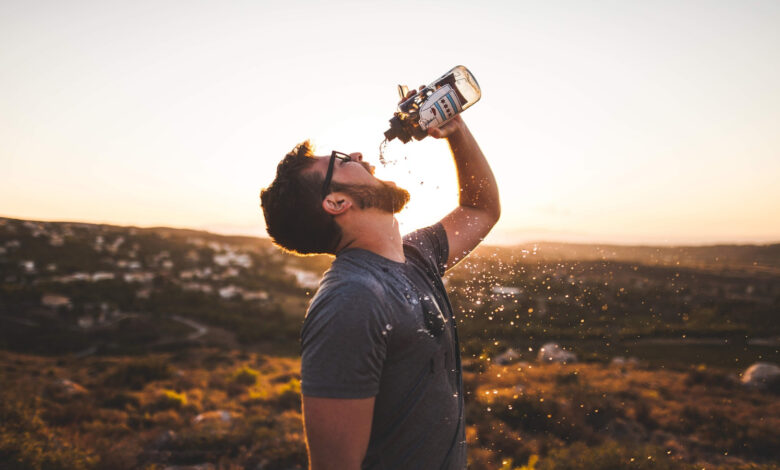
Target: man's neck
{"points": [[376, 232]]}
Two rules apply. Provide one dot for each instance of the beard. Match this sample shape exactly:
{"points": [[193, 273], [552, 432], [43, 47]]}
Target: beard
{"points": [[386, 197]]}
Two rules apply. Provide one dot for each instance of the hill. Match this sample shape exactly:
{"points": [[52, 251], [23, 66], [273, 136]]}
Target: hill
{"points": [[126, 347], [751, 258], [74, 287]]}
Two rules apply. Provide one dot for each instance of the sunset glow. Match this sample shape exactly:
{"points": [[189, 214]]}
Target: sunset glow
{"points": [[627, 122]]}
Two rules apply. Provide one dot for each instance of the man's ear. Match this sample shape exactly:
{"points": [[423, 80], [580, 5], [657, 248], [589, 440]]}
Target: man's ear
{"points": [[336, 203]]}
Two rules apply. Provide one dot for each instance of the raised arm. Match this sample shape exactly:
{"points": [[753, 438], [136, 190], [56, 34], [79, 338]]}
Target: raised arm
{"points": [[478, 207], [337, 432]]}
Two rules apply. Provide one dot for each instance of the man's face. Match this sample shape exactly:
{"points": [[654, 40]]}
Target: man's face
{"points": [[356, 179]]}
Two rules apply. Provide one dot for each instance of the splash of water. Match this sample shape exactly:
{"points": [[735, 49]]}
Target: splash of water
{"points": [[383, 157], [382, 148]]}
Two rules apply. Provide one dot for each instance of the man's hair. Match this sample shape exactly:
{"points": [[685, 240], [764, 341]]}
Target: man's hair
{"points": [[292, 206]]}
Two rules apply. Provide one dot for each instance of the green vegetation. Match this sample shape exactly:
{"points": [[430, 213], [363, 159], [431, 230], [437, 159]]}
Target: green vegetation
{"points": [[28, 443], [172, 409], [136, 373], [161, 347], [245, 376]]}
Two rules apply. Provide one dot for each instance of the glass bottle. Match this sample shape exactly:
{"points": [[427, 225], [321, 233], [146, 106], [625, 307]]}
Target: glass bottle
{"points": [[437, 103]]}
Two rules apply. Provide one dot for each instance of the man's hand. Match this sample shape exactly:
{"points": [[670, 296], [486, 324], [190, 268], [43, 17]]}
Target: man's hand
{"points": [[454, 125], [451, 127]]}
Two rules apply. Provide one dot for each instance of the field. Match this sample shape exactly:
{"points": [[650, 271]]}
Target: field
{"points": [[242, 410], [125, 348]]}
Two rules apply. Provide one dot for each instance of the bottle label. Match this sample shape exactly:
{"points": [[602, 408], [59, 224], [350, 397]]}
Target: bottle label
{"points": [[440, 107]]}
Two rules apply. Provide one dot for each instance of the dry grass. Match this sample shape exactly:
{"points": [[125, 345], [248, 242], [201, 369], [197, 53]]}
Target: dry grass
{"points": [[242, 410]]}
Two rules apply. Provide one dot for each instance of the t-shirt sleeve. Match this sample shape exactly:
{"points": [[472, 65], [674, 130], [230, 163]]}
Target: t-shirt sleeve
{"points": [[432, 244], [343, 344]]}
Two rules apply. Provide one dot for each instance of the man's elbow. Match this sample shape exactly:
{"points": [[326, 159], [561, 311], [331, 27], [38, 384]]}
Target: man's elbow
{"points": [[494, 213], [489, 214]]}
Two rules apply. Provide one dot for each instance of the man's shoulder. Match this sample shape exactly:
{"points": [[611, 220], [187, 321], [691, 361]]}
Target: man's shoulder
{"points": [[352, 272], [349, 279], [428, 246]]}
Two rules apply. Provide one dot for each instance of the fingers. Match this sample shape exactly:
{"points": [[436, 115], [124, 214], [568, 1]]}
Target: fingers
{"points": [[447, 129], [411, 93]]}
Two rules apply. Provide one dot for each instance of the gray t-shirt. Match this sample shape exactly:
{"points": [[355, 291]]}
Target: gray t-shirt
{"points": [[379, 328]]}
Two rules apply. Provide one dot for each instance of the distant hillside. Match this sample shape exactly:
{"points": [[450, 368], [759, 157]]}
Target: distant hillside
{"points": [[764, 257], [755, 258], [76, 287]]}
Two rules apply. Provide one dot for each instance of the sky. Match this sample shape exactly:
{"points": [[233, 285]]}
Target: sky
{"points": [[632, 122]]}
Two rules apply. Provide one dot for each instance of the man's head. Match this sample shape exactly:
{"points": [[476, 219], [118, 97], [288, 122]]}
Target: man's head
{"points": [[298, 218]]}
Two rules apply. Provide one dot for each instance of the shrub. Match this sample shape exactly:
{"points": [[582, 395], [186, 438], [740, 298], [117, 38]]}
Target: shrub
{"points": [[607, 456], [121, 401], [26, 443], [138, 372], [709, 378], [289, 394], [245, 376], [169, 399]]}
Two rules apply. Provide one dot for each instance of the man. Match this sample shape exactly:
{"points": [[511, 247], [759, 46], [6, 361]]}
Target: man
{"points": [[380, 371]]}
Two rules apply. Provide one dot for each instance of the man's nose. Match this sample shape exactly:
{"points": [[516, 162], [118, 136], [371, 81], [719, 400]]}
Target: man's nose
{"points": [[357, 156]]}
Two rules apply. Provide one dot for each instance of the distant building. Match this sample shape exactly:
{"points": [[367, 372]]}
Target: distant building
{"points": [[232, 258], [128, 264], [102, 276], [255, 295], [55, 301], [74, 277], [229, 292], [305, 279], [228, 273], [197, 287], [199, 242], [195, 273], [139, 277]]}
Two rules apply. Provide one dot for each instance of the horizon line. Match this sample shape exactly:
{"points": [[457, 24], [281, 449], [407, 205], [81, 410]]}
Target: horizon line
{"points": [[559, 238]]}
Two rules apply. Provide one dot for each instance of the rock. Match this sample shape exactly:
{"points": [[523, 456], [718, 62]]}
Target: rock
{"points": [[507, 357], [552, 352], [762, 375], [213, 417], [63, 389], [164, 439], [200, 466], [622, 361]]}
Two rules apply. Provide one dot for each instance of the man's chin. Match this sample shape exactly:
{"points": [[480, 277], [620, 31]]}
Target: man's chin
{"points": [[401, 199]]}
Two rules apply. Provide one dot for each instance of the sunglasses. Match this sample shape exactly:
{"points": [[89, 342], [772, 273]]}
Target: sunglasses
{"points": [[329, 175]]}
